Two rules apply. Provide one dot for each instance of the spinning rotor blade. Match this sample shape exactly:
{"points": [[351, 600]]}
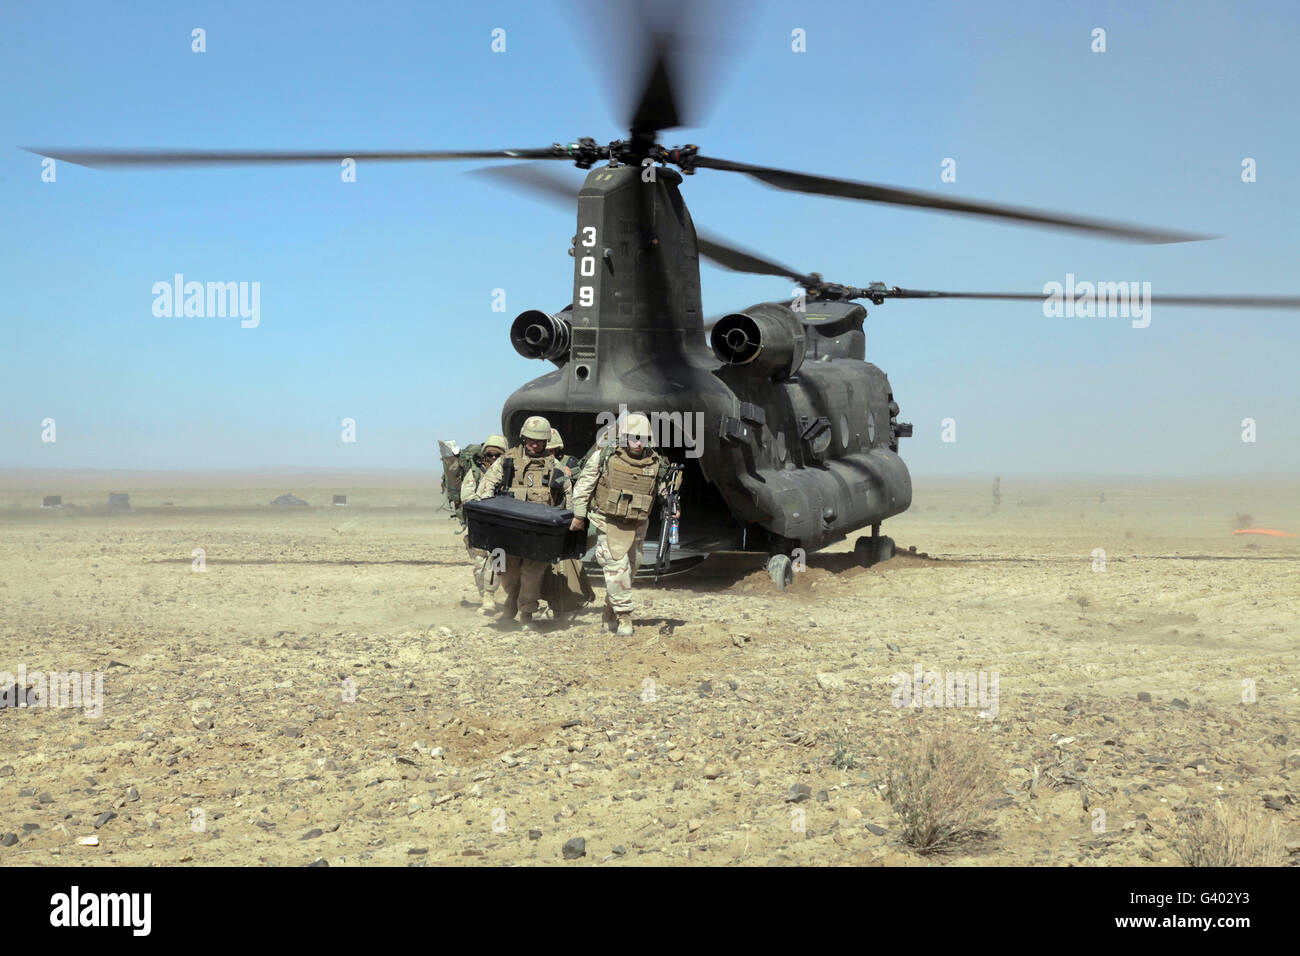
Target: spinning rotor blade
{"points": [[656, 108], [738, 260], [542, 181], [547, 183], [668, 43], [870, 192], [663, 54], [1211, 301], [105, 158]]}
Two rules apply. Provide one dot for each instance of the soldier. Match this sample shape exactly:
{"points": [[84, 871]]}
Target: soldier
{"points": [[485, 576], [617, 488], [556, 447], [536, 477]]}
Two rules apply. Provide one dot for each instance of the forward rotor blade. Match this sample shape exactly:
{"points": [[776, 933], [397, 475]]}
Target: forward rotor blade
{"points": [[870, 192], [542, 181], [656, 108], [107, 158], [663, 57], [1211, 301]]}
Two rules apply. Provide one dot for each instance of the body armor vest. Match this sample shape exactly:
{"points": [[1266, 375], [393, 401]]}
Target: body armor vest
{"points": [[626, 487], [532, 477]]}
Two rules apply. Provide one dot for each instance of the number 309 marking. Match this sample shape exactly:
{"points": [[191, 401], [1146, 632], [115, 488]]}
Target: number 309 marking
{"points": [[587, 268]]}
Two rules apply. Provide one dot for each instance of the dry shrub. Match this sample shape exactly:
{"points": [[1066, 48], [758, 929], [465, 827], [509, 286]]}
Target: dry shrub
{"points": [[1231, 833], [939, 784]]}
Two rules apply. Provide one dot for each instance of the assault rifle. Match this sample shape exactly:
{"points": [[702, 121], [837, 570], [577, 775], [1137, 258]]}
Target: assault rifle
{"points": [[666, 519]]}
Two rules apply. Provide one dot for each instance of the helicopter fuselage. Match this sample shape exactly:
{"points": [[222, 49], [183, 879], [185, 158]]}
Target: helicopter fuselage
{"points": [[800, 439]]}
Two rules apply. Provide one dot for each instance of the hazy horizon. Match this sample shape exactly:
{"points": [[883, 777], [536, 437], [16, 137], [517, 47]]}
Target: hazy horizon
{"points": [[12, 477]]}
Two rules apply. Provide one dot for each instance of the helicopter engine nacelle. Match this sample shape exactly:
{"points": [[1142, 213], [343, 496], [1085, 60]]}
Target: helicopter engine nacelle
{"points": [[768, 339], [539, 335]]}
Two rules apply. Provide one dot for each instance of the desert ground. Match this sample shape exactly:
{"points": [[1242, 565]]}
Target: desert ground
{"points": [[317, 688]]}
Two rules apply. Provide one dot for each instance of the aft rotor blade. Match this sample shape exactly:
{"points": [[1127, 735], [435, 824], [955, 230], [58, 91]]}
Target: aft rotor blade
{"points": [[1210, 301], [738, 260], [106, 158], [892, 195]]}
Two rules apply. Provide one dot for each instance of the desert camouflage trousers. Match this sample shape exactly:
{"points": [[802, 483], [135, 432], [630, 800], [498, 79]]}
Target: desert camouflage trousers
{"points": [[485, 576], [523, 584], [618, 552]]}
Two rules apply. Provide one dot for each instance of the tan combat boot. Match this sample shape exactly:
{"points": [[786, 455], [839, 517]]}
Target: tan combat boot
{"points": [[625, 624], [526, 621], [489, 605], [609, 619]]}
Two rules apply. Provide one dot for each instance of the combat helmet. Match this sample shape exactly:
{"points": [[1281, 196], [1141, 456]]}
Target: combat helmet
{"points": [[496, 441], [637, 426], [535, 426], [556, 444]]}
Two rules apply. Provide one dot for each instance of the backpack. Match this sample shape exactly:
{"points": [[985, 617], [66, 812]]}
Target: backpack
{"points": [[454, 471], [578, 464]]}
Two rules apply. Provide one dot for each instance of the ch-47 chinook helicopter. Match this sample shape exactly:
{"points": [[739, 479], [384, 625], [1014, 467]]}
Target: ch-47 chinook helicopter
{"points": [[801, 433]]}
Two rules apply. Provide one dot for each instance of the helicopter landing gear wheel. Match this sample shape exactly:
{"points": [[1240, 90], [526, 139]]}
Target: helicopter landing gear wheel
{"points": [[781, 569], [872, 551]]}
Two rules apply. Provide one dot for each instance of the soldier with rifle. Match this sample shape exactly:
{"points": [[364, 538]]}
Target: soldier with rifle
{"points": [[617, 490]]}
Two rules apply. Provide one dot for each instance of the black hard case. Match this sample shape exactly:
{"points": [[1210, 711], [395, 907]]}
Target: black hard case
{"points": [[523, 529]]}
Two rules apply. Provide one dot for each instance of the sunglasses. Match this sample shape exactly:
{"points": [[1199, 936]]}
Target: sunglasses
{"points": [[491, 456]]}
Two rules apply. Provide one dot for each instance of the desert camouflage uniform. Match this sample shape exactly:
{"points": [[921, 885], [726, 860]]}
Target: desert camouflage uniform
{"points": [[618, 538], [536, 479]]}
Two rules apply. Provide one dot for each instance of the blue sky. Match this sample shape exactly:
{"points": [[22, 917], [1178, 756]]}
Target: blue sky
{"points": [[376, 295]]}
